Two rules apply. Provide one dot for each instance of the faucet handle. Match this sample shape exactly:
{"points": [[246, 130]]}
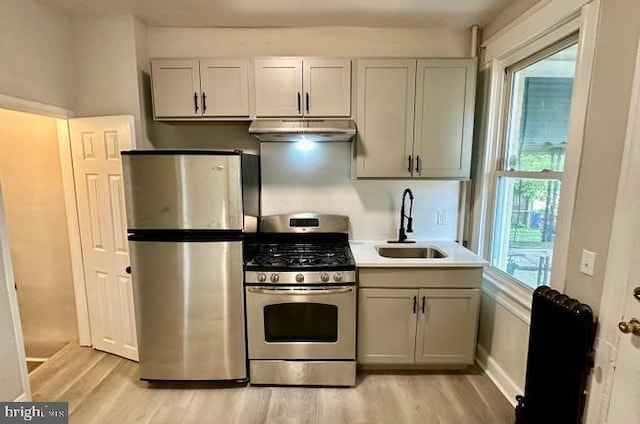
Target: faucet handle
{"points": [[409, 225]]}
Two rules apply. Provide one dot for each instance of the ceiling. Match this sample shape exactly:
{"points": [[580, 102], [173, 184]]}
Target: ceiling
{"points": [[293, 13]]}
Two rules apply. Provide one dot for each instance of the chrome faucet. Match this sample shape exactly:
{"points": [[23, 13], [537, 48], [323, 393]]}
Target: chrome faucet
{"points": [[402, 233]]}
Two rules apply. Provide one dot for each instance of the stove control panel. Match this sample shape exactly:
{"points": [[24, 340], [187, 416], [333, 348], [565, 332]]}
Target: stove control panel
{"points": [[297, 278]]}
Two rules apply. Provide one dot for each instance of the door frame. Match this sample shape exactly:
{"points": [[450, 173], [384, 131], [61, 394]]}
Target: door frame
{"points": [[625, 227], [73, 230], [9, 281], [62, 116]]}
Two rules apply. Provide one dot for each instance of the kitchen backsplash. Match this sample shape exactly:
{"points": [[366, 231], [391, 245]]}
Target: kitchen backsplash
{"points": [[319, 180]]}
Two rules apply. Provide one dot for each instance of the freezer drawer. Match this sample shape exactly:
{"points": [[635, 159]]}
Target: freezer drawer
{"points": [[189, 309], [183, 191]]}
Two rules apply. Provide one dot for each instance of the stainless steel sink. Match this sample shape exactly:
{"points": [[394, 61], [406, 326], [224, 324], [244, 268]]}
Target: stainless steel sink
{"points": [[411, 252]]}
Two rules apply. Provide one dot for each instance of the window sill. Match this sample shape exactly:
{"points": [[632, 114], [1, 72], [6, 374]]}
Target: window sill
{"points": [[513, 296]]}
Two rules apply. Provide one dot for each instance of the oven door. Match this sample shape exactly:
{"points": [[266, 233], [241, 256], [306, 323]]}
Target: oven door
{"points": [[301, 322]]}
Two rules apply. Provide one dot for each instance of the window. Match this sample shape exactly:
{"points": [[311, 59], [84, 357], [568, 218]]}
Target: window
{"points": [[528, 173]]}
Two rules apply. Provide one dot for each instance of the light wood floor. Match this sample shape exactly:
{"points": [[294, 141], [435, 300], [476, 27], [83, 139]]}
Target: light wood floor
{"points": [[103, 388]]}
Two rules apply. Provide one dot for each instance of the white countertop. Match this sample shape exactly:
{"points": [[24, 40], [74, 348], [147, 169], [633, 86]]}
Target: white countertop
{"points": [[366, 255]]}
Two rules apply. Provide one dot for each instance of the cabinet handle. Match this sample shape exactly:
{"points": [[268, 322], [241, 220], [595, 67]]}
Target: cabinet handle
{"points": [[418, 164], [410, 163], [424, 303], [128, 270], [204, 102], [415, 303], [299, 110], [195, 102], [307, 102]]}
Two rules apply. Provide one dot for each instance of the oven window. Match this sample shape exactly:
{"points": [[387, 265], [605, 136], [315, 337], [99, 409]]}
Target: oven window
{"points": [[301, 322]]}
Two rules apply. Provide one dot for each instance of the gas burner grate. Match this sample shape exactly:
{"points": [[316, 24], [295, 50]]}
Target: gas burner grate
{"points": [[302, 255]]}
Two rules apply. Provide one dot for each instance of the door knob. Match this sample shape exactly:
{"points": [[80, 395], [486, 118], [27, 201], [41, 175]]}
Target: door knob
{"points": [[632, 326], [636, 293]]}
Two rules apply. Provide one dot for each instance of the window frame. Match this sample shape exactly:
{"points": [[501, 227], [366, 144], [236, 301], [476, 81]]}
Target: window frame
{"points": [[498, 166], [543, 26]]}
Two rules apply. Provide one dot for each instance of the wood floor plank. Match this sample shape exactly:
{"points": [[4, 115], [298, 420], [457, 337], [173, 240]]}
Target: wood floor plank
{"points": [[51, 384], [102, 388]]}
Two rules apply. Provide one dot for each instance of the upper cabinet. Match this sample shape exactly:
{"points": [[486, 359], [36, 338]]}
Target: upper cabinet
{"points": [[215, 88], [415, 118], [303, 87]]}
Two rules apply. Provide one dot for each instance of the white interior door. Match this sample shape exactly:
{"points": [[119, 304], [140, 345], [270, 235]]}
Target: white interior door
{"points": [[625, 394], [624, 274], [95, 147]]}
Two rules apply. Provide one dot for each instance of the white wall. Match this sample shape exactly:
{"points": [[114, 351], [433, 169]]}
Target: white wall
{"points": [[106, 80], [515, 9], [165, 42], [319, 180], [36, 52]]}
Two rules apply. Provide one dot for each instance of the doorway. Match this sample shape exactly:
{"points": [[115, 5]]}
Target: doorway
{"points": [[31, 177]]}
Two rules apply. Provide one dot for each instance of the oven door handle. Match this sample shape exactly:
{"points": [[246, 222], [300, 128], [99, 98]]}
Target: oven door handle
{"points": [[305, 291]]}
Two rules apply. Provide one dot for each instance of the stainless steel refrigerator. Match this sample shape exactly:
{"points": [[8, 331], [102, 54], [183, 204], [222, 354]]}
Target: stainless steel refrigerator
{"points": [[188, 212]]}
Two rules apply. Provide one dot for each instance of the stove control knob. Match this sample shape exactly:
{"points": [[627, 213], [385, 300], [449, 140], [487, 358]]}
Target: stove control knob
{"points": [[275, 278], [299, 278], [324, 277], [262, 277], [337, 276]]}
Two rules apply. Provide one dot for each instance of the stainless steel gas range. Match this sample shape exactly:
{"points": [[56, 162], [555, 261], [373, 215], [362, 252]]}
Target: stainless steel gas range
{"points": [[300, 285]]}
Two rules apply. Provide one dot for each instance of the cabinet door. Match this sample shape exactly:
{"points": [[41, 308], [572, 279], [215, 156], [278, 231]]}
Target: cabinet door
{"points": [[225, 87], [386, 94], [386, 326], [445, 93], [176, 88], [327, 87], [278, 87], [447, 323]]}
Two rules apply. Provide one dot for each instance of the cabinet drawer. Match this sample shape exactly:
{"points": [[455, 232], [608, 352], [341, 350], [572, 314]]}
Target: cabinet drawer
{"points": [[420, 277]]}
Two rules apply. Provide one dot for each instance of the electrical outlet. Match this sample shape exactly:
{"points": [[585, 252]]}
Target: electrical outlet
{"points": [[587, 262], [442, 218]]}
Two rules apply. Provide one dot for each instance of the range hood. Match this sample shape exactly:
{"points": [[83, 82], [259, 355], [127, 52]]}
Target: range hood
{"points": [[303, 129]]}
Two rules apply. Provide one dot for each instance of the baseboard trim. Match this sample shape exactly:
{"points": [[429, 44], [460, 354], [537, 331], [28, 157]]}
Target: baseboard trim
{"points": [[22, 398], [31, 359], [498, 375]]}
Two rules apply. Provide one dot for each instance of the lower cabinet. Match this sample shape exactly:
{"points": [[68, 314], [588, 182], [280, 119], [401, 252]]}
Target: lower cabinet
{"points": [[417, 325]]}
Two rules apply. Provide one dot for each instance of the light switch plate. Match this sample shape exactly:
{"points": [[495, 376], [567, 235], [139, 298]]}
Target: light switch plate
{"points": [[442, 218], [587, 262]]}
